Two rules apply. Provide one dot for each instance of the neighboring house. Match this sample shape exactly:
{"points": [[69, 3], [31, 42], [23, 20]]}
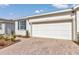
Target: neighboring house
{"points": [[63, 24], [6, 26]]}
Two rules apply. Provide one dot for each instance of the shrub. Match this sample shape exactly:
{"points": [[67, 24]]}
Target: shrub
{"points": [[77, 37], [6, 38], [12, 32], [14, 36], [27, 33], [1, 37], [13, 39]]}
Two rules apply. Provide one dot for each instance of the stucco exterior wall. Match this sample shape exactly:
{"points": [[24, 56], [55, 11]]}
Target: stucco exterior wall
{"points": [[2, 31], [55, 18], [74, 27], [19, 32], [28, 27], [77, 15]]}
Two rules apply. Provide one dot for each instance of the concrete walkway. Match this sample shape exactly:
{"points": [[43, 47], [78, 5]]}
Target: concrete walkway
{"points": [[39, 46]]}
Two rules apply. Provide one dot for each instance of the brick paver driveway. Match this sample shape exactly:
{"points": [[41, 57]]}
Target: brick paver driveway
{"points": [[35, 46]]}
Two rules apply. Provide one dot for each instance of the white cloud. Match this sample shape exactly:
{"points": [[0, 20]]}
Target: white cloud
{"points": [[39, 11], [4, 5], [60, 6]]}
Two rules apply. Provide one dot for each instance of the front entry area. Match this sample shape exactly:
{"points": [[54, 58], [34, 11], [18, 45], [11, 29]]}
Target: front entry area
{"points": [[58, 30], [9, 28]]}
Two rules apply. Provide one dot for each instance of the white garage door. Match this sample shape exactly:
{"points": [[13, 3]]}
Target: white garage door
{"points": [[53, 30]]}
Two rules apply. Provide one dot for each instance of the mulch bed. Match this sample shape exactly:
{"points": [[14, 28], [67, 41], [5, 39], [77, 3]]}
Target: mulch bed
{"points": [[23, 36], [4, 43]]}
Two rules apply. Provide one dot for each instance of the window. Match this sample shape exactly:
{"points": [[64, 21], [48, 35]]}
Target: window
{"points": [[0, 26], [21, 25]]}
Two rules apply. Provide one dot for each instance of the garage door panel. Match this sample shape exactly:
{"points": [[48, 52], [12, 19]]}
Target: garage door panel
{"points": [[53, 30]]}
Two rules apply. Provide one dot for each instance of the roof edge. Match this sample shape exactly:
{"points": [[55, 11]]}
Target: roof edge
{"points": [[54, 12]]}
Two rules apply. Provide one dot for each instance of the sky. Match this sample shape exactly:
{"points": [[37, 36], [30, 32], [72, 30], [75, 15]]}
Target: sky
{"points": [[12, 11]]}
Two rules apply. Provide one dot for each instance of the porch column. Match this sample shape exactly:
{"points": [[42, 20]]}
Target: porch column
{"points": [[74, 27]]}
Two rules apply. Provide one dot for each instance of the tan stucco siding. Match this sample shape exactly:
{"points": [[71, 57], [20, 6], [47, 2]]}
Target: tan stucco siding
{"points": [[56, 18]]}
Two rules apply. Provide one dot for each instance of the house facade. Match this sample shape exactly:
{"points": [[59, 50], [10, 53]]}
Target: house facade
{"points": [[63, 24], [6, 26]]}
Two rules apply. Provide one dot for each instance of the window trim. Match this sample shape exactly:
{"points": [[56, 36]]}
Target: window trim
{"points": [[20, 24]]}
